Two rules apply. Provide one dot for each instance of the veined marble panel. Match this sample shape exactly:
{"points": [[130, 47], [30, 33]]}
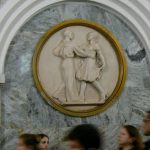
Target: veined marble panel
{"points": [[2, 2], [23, 109]]}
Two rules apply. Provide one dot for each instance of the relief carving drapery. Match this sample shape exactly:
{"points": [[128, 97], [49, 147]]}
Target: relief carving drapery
{"points": [[79, 67], [90, 66]]}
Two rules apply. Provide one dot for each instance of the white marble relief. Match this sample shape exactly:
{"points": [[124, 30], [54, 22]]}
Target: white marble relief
{"points": [[22, 106], [89, 68], [84, 67]]}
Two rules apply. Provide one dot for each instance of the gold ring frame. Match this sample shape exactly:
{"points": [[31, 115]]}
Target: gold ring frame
{"points": [[120, 58]]}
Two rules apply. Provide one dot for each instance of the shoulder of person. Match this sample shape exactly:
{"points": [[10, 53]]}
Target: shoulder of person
{"points": [[147, 145], [147, 142]]}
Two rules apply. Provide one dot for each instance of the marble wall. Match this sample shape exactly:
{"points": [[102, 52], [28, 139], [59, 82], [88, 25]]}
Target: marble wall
{"points": [[2, 2], [24, 110]]}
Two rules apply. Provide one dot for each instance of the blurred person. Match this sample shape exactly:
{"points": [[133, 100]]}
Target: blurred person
{"points": [[130, 139], [43, 141], [27, 142], [146, 128], [83, 137]]}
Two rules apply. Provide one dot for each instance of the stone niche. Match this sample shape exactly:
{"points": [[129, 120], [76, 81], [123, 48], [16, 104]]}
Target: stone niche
{"points": [[23, 108]]}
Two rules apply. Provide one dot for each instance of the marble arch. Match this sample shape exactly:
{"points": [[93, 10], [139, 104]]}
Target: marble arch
{"points": [[17, 12]]}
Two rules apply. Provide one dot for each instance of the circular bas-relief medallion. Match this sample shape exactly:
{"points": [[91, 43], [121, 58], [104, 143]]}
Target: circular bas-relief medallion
{"points": [[79, 67]]}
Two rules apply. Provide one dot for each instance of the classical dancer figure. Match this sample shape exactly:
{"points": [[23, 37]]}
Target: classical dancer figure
{"points": [[65, 50], [92, 65]]}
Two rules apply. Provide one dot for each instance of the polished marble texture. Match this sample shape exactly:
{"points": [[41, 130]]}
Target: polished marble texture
{"points": [[23, 108]]}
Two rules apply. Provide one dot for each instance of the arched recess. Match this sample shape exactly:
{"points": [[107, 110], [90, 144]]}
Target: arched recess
{"points": [[17, 12]]}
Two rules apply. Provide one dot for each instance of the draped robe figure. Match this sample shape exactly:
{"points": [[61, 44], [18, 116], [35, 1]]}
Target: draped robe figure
{"points": [[92, 65], [65, 51]]}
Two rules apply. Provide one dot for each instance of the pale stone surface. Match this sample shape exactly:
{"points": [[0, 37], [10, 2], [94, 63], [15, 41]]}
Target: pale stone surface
{"points": [[73, 63], [22, 106], [2, 2]]}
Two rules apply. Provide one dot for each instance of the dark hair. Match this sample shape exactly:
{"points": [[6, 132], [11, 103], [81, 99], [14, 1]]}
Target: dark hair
{"points": [[137, 140], [86, 134], [148, 112], [41, 136], [29, 140]]}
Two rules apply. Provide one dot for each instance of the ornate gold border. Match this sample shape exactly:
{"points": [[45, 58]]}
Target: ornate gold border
{"points": [[119, 52]]}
